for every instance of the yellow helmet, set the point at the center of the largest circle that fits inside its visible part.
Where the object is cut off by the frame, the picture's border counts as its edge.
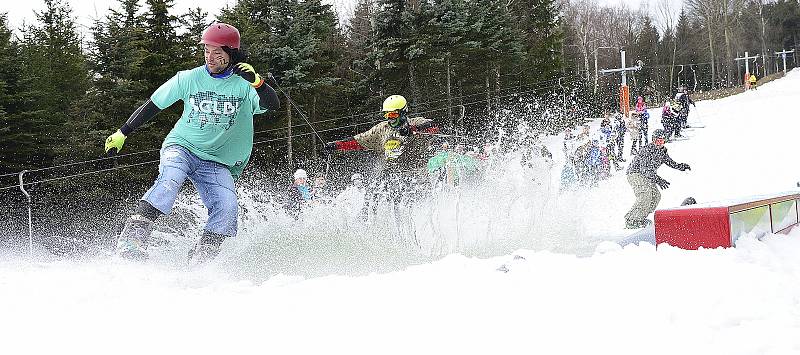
(395, 103)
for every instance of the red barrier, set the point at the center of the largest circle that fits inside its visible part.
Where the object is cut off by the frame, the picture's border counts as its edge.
(719, 224)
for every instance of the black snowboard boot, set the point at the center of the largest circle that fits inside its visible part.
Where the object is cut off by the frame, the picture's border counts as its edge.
(132, 242)
(206, 249)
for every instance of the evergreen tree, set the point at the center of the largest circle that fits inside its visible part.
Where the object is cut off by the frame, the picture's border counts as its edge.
(361, 43)
(9, 76)
(393, 37)
(195, 22)
(683, 34)
(55, 78)
(539, 23)
(494, 45)
(300, 44)
(9, 106)
(120, 81)
(646, 49)
(164, 54)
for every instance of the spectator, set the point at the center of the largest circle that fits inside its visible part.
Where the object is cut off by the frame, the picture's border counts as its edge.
(299, 194)
(641, 108)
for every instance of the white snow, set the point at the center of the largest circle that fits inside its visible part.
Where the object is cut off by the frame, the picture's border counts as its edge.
(571, 294)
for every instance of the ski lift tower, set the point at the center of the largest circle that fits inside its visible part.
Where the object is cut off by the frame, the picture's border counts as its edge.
(783, 54)
(624, 92)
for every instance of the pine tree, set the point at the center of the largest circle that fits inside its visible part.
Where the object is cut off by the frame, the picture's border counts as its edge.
(9, 101)
(55, 78)
(120, 81)
(195, 22)
(394, 34)
(361, 43)
(164, 55)
(539, 23)
(646, 46)
(300, 44)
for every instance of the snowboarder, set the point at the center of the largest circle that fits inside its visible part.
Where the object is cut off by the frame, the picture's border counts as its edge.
(683, 101)
(397, 140)
(641, 108)
(634, 127)
(608, 143)
(210, 144)
(668, 120)
(645, 182)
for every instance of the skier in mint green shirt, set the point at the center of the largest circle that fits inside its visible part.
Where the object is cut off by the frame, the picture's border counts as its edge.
(210, 144)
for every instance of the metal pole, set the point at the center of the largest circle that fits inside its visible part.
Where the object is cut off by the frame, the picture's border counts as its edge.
(624, 77)
(595, 71)
(747, 64)
(784, 63)
(563, 94)
(30, 215)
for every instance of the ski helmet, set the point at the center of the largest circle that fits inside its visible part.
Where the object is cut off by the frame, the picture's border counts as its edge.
(395, 103)
(395, 108)
(659, 133)
(300, 174)
(222, 35)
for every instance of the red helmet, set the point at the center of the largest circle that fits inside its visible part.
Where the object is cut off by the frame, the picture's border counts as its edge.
(222, 35)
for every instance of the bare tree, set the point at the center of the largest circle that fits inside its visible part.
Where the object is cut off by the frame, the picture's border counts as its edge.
(582, 15)
(707, 11)
(667, 19)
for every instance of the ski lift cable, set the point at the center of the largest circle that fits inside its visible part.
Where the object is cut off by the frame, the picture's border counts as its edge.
(259, 142)
(90, 161)
(420, 112)
(379, 120)
(255, 143)
(79, 174)
(418, 104)
(296, 107)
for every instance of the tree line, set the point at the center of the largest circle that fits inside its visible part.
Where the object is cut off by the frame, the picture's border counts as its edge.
(63, 91)
(693, 45)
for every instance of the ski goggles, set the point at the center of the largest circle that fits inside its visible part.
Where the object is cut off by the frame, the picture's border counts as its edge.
(392, 115)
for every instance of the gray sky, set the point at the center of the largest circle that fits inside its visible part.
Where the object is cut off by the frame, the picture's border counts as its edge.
(87, 10)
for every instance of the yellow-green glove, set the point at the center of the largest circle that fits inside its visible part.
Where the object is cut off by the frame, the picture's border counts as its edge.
(115, 140)
(247, 72)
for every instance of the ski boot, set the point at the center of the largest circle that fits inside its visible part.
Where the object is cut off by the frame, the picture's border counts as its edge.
(132, 242)
(206, 249)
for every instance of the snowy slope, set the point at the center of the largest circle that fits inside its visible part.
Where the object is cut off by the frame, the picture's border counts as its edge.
(561, 299)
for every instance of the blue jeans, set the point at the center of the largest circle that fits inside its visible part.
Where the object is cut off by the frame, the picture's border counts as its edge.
(212, 180)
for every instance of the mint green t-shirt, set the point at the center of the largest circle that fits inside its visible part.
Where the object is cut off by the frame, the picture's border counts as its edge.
(217, 119)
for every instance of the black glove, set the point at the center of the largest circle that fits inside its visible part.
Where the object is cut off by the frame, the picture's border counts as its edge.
(684, 167)
(404, 130)
(662, 184)
(330, 147)
(247, 72)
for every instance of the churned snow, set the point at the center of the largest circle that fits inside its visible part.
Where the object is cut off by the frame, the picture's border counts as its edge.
(571, 294)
